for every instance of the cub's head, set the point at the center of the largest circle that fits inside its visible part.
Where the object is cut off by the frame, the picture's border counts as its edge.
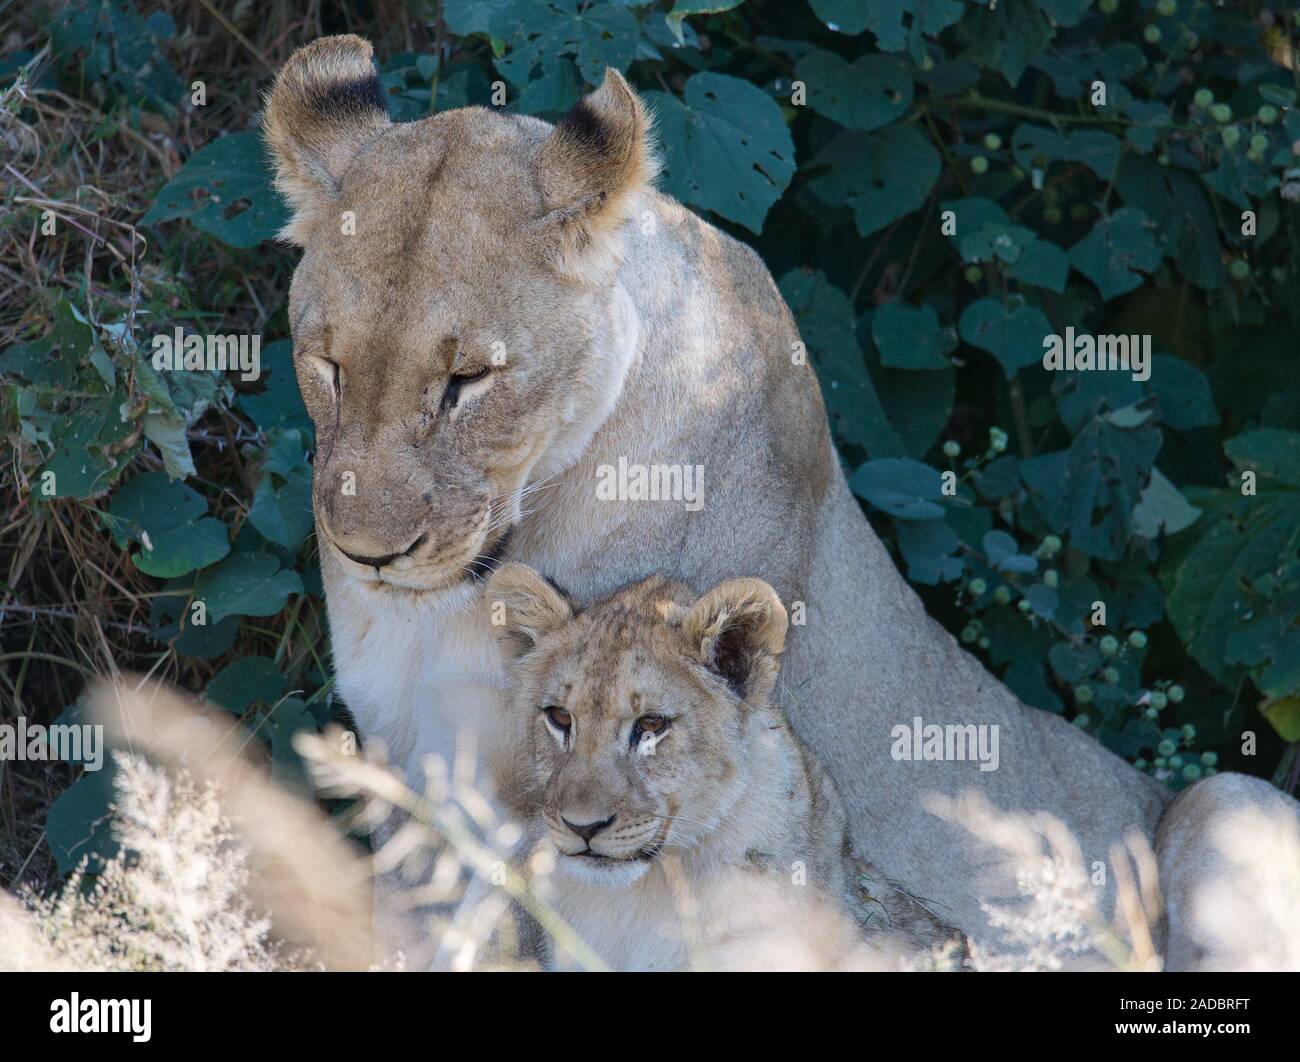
(456, 322)
(640, 709)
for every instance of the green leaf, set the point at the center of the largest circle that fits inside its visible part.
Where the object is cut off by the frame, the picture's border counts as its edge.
(1042, 265)
(282, 509)
(1015, 338)
(1270, 452)
(910, 338)
(1003, 554)
(79, 824)
(1183, 393)
(1034, 146)
(239, 684)
(596, 34)
(853, 16)
(866, 94)
(930, 549)
(225, 189)
(246, 583)
(901, 487)
(1114, 252)
(170, 522)
(464, 17)
(880, 176)
(280, 404)
(682, 9)
(726, 147)
(1162, 507)
(1284, 714)
(1073, 663)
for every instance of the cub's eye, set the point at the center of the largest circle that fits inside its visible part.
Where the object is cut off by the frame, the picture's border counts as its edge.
(648, 724)
(451, 396)
(560, 719)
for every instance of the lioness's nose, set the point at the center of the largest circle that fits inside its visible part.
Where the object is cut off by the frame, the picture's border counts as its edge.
(379, 562)
(587, 830)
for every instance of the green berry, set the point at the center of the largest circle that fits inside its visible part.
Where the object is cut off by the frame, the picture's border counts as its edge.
(1230, 135)
(1109, 645)
(1191, 772)
(974, 274)
(1209, 759)
(1023, 605)
(1110, 675)
(1203, 97)
(997, 439)
(992, 141)
(1051, 578)
(1239, 269)
(1221, 113)
(1017, 173)
(1158, 701)
(927, 62)
(1163, 159)
(1166, 7)
(1152, 35)
(984, 643)
(1107, 7)
(979, 164)
(1166, 748)
(1081, 720)
(1267, 114)
(1160, 761)
(1051, 545)
(1083, 693)
(1079, 212)
(1002, 595)
(1137, 640)
(1176, 694)
(1175, 762)
(951, 448)
(1189, 731)
(1149, 713)
(977, 587)
(1140, 764)
(969, 634)
(1259, 143)
(1052, 215)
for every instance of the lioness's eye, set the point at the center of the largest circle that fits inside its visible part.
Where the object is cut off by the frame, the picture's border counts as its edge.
(451, 396)
(560, 719)
(330, 372)
(648, 724)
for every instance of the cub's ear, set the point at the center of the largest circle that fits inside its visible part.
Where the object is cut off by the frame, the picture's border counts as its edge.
(325, 104)
(599, 156)
(523, 607)
(738, 629)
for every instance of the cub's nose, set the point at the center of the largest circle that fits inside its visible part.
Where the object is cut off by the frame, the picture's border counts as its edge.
(587, 830)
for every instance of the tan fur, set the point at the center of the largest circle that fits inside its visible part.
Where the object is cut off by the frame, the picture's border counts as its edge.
(725, 788)
(629, 328)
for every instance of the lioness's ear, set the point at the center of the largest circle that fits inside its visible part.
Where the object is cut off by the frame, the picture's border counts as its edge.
(325, 104)
(590, 167)
(522, 607)
(738, 629)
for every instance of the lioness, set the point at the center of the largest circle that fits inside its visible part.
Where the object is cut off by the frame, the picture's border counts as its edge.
(490, 314)
(665, 776)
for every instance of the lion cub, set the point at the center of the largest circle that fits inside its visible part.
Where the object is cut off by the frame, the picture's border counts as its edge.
(686, 816)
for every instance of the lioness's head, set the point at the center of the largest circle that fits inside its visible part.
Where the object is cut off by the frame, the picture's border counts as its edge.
(640, 709)
(455, 307)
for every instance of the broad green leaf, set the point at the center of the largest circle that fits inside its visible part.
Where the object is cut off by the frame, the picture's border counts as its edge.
(596, 34)
(880, 176)
(1183, 393)
(1269, 452)
(1035, 146)
(930, 549)
(249, 679)
(280, 405)
(1003, 554)
(1112, 255)
(853, 16)
(1014, 337)
(1284, 714)
(865, 94)
(282, 508)
(79, 824)
(683, 9)
(726, 147)
(464, 17)
(1042, 265)
(225, 189)
(901, 487)
(910, 338)
(170, 522)
(246, 584)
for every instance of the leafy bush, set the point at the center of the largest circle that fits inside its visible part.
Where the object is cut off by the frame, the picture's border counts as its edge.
(938, 186)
